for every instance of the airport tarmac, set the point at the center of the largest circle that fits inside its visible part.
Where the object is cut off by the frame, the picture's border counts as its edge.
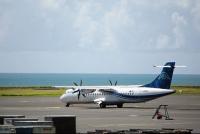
(184, 109)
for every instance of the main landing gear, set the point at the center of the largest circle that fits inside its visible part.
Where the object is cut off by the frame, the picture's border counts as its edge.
(104, 105)
(120, 105)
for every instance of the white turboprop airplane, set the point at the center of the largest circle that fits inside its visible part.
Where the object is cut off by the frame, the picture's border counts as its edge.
(118, 95)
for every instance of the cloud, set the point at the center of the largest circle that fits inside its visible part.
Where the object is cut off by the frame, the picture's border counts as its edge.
(98, 26)
(179, 23)
(3, 27)
(163, 42)
(5, 19)
(195, 11)
(51, 4)
(112, 32)
(87, 27)
(116, 22)
(123, 25)
(183, 3)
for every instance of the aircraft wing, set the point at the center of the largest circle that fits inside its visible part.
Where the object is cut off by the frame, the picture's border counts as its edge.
(81, 87)
(67, 87)
(109, 90)
(86, 91)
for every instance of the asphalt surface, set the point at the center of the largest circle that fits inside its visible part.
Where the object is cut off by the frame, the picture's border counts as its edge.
(184, 109)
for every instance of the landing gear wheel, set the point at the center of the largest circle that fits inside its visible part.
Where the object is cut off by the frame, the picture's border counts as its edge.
(102, 105)
(67, 105)
(119, 105)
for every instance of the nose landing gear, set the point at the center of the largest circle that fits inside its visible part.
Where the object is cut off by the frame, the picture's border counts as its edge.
(67, 104)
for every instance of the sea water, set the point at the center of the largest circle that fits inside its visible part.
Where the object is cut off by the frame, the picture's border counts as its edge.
(28, 79)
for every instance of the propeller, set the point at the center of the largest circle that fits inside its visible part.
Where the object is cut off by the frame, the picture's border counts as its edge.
(79, 90)
(81, 82)
(116, 83)
(75, 83)
(112, 83)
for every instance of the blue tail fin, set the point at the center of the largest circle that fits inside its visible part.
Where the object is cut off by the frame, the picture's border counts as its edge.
(164, 79)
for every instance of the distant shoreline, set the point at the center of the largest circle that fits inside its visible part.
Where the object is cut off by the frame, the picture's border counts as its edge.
(51, 91)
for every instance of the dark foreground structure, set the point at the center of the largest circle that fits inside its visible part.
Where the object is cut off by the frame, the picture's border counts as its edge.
(52, 124)
(143, 131)
(65, 124)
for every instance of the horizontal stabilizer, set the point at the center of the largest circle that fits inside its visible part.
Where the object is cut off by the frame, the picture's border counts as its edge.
(170, 66)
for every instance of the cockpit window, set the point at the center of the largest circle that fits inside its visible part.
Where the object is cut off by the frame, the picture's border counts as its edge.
(69, 91)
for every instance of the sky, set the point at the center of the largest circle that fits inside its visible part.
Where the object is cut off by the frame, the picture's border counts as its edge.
(99, 36)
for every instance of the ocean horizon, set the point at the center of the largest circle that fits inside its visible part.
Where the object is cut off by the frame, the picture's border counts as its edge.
(59, 79)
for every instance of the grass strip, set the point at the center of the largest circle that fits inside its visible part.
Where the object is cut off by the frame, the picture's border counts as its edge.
(193, 90)
(51, 91)
(30, 91)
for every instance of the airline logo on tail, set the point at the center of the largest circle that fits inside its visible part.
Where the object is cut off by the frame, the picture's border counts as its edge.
(164, 76)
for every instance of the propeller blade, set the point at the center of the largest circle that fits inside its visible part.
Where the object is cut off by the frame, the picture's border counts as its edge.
(81, 83)
(110, 82)
(79, 95)
(116, 83)
(83, 95)
(75, 91)
(75, 83)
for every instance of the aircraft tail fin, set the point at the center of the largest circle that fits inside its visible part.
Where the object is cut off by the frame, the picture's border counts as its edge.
(163, 80)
